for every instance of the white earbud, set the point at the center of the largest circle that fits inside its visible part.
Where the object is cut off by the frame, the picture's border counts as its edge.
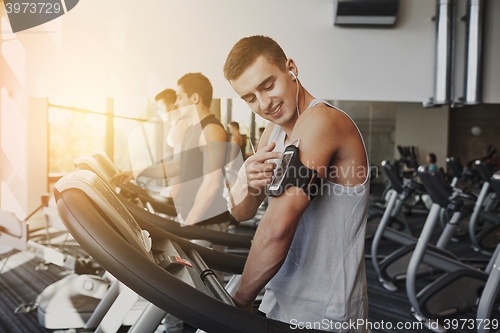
(297, 95)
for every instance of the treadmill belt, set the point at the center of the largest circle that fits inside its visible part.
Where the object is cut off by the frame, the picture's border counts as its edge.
(21, 283)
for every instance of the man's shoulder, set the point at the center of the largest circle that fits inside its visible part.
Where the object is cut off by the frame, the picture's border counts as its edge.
(214, 132)
(324, 120)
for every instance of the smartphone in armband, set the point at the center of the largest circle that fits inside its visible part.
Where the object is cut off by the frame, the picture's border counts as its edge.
(291, 172)
(279, 173)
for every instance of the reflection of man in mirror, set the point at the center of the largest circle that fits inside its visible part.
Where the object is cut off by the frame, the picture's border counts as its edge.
(238, 147)
(164, 105)
(203, 155)
(174, 127)
(198, 194)
(177, 125)
(165, 101)
(195, 170)
(237, 138)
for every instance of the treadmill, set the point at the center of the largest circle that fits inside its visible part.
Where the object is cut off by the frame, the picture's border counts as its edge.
(71, 303)
(170, 272)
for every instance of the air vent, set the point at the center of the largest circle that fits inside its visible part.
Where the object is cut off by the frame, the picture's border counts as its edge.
(366, 12)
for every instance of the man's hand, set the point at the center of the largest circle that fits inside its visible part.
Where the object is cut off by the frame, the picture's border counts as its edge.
(242, 304)
(249, 190)
(256, 171)
(122, 177)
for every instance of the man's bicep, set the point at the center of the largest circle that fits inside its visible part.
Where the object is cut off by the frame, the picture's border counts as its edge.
(287, 209)
(316, 145)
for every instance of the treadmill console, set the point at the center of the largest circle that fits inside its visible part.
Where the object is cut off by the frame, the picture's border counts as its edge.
(106, 200)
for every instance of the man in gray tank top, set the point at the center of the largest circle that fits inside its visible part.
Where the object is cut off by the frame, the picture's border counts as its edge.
(309, 255)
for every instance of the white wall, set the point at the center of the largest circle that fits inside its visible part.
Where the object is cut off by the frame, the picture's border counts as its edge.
(136, 48)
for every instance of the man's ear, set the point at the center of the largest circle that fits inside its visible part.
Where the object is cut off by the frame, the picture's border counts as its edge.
(291, 66)
(195, 98)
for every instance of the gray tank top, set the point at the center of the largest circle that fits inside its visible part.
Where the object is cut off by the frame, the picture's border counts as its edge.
(323, 278)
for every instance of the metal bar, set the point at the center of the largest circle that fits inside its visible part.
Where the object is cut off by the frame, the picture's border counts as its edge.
(94, 112)
(490, 293)
(104, 305)
(473, 88)
(448, 231)
(229, 116)
(399, 237)
(444, 50)
(418, 254)
(444, 264)
(380, 230)
(475, 213)
(110, 136)
(398, 208)
(494, 257)
(252, 130)
(48, 146)
(210, 280)
(149, 320)
(117, 312)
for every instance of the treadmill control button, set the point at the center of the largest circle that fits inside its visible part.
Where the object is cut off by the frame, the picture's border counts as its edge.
(183, 261)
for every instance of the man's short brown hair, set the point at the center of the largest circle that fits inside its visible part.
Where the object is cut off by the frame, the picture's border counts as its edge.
(247, 49)
(168, 96)
(235, 125)
(197, 83)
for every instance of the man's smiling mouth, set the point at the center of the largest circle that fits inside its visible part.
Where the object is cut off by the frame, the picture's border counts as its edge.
(276, 110)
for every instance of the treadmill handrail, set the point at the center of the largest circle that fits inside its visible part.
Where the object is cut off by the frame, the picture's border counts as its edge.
(216, 237)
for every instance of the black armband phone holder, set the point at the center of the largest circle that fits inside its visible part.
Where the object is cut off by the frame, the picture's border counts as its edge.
(291, 172)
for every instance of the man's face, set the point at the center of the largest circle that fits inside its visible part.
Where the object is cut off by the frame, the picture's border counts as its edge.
(161, 107)
(171, 107)
(182, 98)
(268, 91)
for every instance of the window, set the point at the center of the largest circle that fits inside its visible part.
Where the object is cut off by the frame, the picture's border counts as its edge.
(80, 125)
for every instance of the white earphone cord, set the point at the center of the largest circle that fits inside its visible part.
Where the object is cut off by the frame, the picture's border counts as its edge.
(297, 96)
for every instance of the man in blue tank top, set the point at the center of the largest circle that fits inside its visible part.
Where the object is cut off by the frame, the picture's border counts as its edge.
(309, 255)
